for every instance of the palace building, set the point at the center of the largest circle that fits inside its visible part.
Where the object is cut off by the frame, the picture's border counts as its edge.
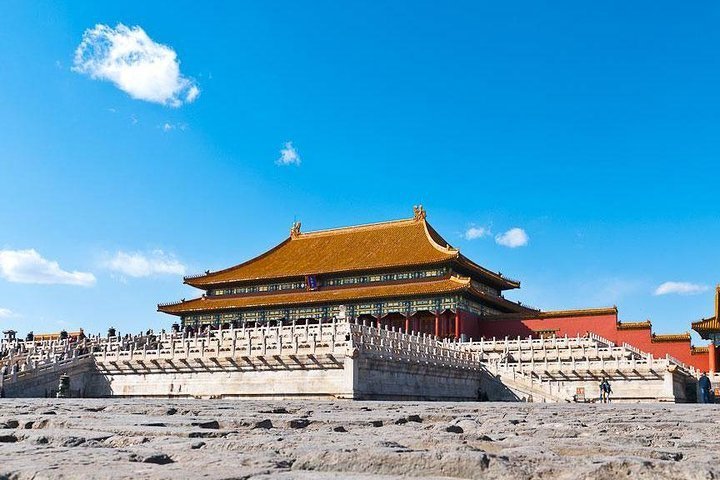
(400, 274)
(404, 275)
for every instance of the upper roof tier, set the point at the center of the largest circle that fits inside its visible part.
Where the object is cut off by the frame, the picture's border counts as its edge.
(379, 246)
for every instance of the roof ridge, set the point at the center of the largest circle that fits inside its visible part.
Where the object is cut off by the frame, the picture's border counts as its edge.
(362, 226)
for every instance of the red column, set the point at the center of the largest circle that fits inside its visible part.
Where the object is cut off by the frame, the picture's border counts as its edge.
(712, 362)
(437, 324)
(457, 323)
(407, 324)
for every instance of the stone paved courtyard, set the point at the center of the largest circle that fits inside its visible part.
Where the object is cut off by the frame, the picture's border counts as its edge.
(139, 438)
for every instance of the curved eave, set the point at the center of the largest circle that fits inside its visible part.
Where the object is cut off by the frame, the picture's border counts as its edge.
(706, 325)
(492, 277)
(422, 288)
(502, 303)
(301, 276)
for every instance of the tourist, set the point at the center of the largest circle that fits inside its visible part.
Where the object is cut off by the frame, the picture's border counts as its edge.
(705, 385)
(605, 391)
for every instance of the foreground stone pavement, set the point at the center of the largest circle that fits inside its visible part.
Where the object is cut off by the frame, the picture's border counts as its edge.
(242, 439)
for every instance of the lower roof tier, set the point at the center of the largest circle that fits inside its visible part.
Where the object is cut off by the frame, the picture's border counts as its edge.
(339, 295)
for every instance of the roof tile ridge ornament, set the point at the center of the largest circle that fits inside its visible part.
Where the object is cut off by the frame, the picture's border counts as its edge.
(295, 230)
(419, 213)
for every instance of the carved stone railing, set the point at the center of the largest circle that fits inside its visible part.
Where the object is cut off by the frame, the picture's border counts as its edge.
(418, 348)
(648, 365)
(600, 339)
(547, 390)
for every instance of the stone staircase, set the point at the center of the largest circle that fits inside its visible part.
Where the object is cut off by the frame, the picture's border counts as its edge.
(570, 368)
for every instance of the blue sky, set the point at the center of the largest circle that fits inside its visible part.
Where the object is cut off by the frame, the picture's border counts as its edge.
(590, 127)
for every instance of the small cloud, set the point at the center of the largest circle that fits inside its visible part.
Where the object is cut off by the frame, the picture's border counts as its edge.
(6, 313)
(137, 65)
(133, 119)
(28, 266)
(680, 288)
(166, 127)
(515, 237)
(138, 264)
(288, 155)
(474, 233)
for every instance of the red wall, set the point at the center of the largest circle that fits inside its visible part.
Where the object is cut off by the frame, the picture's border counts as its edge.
(603, 324)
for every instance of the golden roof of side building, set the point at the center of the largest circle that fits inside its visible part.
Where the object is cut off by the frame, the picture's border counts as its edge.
(342, 294)
(395, 244)
(710, 324)
(699, 350)
(670, 337)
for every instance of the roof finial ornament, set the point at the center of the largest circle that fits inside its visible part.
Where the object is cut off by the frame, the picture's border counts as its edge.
(295, 230)
(419, 212)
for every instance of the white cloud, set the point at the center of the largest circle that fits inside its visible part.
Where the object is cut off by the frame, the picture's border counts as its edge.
(5, 313)
(27, 266)
(515, 237)
(473, 233)
(288, 155)
(680, 288)
(140, 67)
(167, 127)
(138, 264)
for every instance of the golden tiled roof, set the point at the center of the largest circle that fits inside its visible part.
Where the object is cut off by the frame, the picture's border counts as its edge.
(671, 337)
(534, 314)
(634, 325)
(401, 243)
(699, 350)
(325, 295)
(706, 325)
(710, 324)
